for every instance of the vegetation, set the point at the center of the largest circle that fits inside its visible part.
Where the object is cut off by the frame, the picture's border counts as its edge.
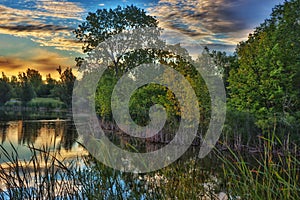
(266, 81)
(4, 90)
(44, 176)
(266, 175)
(96, 29)
(49, 103)
(33, 91)
(262, 80)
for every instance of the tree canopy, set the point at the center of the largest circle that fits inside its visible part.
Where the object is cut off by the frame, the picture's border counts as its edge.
(266, 82)
(104, 23)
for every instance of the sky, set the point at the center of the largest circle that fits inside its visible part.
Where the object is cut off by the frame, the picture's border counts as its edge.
(38, 34)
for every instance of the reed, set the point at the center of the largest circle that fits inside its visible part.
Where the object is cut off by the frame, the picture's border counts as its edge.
(45, 176)
(272, 174)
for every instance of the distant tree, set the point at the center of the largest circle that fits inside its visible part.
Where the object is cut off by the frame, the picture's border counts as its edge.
(5, 89)
(27, 91)
(50, 83)
(15, 87)
(223, 63)
(36, 81)
(64, 88)
(47, 86)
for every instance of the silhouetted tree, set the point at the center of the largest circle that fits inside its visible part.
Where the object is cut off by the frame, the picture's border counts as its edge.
(35, 79)
(27, 91)
(5, 90)
(103, 24)
(64, 88)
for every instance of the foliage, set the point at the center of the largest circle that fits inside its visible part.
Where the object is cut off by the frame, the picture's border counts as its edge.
(29, 85)
(48, 103)
(265, 83)
(104, 23)
(64, 88)
(27, 90)
(101, 26)
(224, 63)
(47, 87)
(5, 93)
(46, 176)
(35, 79)
(15, 87)
(103, 95)
(42, 177)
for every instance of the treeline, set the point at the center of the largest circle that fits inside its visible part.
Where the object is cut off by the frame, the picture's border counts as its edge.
(30, 84)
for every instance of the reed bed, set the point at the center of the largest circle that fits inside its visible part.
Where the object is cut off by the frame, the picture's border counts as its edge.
(45, 176)
(271, 174)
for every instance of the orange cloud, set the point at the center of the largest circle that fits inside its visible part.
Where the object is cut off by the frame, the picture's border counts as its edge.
(44, 61)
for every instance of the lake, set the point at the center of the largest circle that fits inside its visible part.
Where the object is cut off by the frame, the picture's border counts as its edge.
(59, 136)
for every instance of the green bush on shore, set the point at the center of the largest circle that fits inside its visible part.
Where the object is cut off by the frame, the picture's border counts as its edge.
(46, 103)
(49, 103)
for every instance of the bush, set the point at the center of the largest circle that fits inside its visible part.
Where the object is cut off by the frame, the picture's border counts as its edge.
(49, 103)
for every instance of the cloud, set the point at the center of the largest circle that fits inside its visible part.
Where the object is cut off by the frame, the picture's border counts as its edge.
(45, 61)
(7, 64)
(62, 44)
(206, 21)
(46, 22)
(60, 9)
(36, 28)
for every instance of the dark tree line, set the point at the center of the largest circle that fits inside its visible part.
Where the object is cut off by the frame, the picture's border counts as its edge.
(30, 84)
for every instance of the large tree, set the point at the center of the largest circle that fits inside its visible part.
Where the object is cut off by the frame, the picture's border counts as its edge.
(105, 24)
(121, 39)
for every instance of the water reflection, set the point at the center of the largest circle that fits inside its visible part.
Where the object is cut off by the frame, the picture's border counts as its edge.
(187, 178)
(57, 135)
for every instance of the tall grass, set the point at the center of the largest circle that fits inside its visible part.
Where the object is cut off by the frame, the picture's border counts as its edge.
(271, 174)
(44, 176)
(41, 177)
